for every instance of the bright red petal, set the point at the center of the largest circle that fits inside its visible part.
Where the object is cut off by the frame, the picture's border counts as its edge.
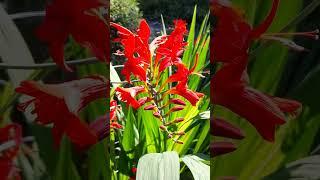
(79, 133)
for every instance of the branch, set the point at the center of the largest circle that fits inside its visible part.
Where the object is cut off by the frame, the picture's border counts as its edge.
(27, 15)
(91, 60)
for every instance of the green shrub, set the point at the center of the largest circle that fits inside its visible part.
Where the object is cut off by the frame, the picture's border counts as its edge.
(173, 9)
(125, 12)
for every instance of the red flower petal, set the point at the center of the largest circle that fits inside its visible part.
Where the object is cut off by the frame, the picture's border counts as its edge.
(65, 101)
(263, 27)
(233, 35)
(190, 95)
(70, 17)
(128, 95)
(169, 52)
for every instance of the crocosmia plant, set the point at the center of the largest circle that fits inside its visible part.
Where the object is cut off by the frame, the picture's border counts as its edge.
(156, 108)
(147, 62)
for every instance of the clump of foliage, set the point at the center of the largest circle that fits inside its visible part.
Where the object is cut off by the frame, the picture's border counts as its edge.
(126, 12)
(173, 9)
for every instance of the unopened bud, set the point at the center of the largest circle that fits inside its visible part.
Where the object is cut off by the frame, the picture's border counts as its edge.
(168, 123)
(180, 133)
(178, 141)
(142, 101)
(178, 120)
(162, 127)
(149, 107)
(156, 114)
(176, 108)
(177, 101)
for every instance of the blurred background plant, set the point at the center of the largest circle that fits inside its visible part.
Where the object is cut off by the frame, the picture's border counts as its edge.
(21, 50)
(275, 69)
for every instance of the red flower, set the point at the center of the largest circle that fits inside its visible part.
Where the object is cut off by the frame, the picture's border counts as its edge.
(233, 35)
(9, 133)
(230, 89)
(136, 50)
(128, 95)
(169, 51)
(191, 96)
(75, 18)
(113, 110)
(139, 52)
(182, 76)
(113, 115)
(60, 104)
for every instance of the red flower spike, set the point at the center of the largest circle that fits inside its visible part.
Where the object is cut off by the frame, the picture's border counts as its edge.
(128, 95)
(113, 110)
(75, 18)
(136, 50)
(220, 148)
(233, 35)
(10, 132)
(65, 100)
(169, 52)
(222, 128)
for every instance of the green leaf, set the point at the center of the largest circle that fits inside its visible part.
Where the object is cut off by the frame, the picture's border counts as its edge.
(199, 170)
(65, 168)
(128, 140)
(159, 166)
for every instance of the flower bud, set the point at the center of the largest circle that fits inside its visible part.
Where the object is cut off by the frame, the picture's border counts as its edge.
(219, 148)
(149, 107)
(142, 101)
(162, 127)
(177, 101)
(181, 133)
(178, 120)
(178, 141)
(156, 114)
(222, 128)
(168, 124)
(176, 108)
